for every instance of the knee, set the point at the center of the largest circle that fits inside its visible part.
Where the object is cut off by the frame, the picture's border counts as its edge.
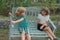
(28, 36)
(47, 28)
(23, 33)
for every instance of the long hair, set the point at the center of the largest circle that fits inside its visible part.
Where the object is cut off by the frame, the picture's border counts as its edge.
(19, 11)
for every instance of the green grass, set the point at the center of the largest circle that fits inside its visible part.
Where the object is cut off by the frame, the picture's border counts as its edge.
(4, 34)
(58, 33)
(4, 30)
(55, 17)
(3, 17)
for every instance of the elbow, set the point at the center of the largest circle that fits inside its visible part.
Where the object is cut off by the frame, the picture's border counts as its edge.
(38, 22)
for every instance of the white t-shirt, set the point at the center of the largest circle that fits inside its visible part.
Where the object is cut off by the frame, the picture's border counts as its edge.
(43, 18)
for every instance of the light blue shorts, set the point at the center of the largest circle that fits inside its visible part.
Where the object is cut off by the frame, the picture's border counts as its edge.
(22, 29)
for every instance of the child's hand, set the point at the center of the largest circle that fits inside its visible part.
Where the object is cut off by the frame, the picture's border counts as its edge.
(45, 24)
(13, 22)
(41, 27)
(10, 13)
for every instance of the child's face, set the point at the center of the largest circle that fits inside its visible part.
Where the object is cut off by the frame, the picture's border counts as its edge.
(17, 11)
(20, 13)
(43, 12)
(23, 14)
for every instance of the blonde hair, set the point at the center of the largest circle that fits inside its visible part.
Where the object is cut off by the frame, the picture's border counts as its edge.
(19, 11)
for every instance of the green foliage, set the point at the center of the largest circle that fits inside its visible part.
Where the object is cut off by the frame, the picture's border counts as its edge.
(6, 5)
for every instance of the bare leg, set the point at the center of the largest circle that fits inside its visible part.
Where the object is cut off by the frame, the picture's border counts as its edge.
(49, 34)
(50, 31)
(28, 37)
(23, 36)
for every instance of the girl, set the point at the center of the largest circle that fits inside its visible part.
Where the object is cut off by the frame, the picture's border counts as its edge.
(21, 22)
(42, 21)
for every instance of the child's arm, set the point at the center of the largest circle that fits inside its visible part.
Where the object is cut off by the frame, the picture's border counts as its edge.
(47, 19)
(17, 21)
(38, 20)
(43, 24)
(46, 23)
(11, 14)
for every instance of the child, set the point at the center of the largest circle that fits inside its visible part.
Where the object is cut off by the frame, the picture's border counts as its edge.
(21, 22)
(42, 21)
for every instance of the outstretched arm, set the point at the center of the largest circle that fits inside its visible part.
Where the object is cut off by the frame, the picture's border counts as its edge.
(17, 21)
(11, 14)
